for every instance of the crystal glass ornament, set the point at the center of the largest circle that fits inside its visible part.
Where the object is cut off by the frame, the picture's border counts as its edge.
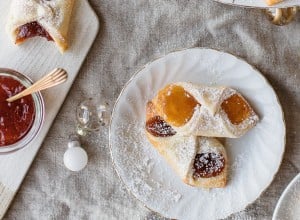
(75, 158)
(91, 115)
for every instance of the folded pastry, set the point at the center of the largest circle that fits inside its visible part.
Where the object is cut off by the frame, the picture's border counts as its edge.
(198, 161)
(45, 18)
(204, 111)
(272, 2)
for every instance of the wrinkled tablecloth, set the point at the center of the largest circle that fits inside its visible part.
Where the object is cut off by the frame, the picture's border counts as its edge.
(133, 33)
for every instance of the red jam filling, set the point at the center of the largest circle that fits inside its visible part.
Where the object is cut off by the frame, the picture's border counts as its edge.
(31, 29)
(208, 165)
(16, 118)
(159, 128)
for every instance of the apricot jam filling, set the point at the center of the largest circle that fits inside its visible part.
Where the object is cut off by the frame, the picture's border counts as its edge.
(236, 109)
(31, 29)
(208, 165)
(159, 128)
(178, 106)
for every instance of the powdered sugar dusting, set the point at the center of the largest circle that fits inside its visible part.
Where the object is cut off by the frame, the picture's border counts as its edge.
(210, 119)
(208, 146)
(159, 128)
(49, 11)
(208, 164)
(50, 14)
(243, 154)
(146, 171)
(141, 165)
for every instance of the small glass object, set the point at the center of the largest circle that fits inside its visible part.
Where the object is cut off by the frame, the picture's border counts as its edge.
(91, 115)
(75, 158)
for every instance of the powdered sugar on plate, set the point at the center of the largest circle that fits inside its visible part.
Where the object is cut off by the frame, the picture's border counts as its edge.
(253, 159)
(141, 164)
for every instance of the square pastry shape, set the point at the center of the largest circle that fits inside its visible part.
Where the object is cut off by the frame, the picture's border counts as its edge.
(46, 18)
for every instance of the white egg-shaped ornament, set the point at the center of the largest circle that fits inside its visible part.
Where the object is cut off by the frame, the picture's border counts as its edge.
(75, 158)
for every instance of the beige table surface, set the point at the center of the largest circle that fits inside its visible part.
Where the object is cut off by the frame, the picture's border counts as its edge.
(131, 34)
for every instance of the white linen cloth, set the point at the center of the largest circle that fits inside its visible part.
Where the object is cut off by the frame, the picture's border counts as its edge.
(133, 33)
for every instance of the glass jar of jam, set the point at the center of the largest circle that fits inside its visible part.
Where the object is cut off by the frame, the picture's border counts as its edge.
(21, 120)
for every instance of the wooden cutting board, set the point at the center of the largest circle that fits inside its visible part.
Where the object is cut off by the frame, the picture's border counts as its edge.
(35, 58)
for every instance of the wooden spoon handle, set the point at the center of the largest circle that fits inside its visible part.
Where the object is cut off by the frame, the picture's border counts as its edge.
(55, 77)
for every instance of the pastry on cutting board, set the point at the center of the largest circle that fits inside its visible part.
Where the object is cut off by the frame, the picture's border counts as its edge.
(46, 18)
(198, 161)
(199, 110)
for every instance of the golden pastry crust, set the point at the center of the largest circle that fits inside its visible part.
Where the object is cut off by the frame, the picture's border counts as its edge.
(54, 16)
(178, 118)
(210, 116)
(218, 181)
(180, 152)
(165, 145)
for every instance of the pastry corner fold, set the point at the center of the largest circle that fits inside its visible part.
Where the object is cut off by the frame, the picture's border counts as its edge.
(50, 19)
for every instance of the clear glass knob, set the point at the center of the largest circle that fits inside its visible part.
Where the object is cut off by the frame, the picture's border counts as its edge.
(91, 116)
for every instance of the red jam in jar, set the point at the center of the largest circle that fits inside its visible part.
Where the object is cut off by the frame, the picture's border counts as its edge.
(16, 118)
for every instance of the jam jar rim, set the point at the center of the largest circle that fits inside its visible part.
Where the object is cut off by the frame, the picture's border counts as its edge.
(39, 106)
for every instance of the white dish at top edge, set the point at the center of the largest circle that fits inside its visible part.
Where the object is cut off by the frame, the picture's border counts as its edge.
(261, 3)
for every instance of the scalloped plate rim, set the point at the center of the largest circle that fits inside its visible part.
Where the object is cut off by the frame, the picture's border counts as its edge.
(262, 77)
(283, 198)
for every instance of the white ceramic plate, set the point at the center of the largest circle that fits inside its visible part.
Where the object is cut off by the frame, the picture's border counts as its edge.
(288, 206)
(261, 3)
(254, 158)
